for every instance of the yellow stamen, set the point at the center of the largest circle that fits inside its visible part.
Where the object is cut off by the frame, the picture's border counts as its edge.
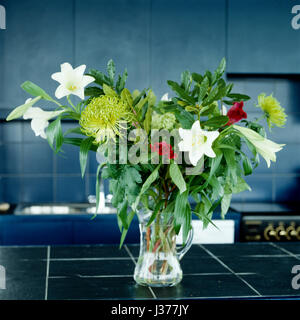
(72, 87)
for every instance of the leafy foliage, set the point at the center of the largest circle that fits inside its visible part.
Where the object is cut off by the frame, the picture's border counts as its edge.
(164, 189)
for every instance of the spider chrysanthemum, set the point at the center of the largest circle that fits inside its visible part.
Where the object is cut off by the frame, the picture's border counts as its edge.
(274, 112)
(104, 117)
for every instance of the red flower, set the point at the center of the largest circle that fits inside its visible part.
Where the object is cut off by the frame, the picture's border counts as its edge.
(236, 113)
(163, 148)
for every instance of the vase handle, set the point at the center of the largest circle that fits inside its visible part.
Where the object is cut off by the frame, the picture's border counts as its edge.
(182, 250)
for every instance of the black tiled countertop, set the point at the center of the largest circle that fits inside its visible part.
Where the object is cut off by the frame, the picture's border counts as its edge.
(241, 270)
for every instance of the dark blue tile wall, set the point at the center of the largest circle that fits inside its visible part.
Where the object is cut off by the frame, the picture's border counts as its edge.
(261, 38)
(155, 40)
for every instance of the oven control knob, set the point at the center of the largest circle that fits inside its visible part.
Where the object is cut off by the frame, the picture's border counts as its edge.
(269, 232)
(291, 232)
(280, 232)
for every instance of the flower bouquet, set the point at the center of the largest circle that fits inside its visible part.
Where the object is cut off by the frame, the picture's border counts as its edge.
(166, 160)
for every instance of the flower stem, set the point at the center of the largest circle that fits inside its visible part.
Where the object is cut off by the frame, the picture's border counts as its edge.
(72, 105)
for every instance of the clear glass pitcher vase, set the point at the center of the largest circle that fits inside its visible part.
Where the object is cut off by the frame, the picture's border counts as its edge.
(159, 258)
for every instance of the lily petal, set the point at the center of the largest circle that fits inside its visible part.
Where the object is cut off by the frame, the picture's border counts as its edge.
(61, 92)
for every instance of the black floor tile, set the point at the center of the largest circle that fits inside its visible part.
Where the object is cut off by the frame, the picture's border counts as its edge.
(19, 269)
(91, 267)
(277, 267)
(24, 278)
(134, 250)
(272, 284)
(24, 289)
(95, 251)
(206, 287)
(243, 249)
(18, 253)
(96, 288)
(194, 264)
(293, 247)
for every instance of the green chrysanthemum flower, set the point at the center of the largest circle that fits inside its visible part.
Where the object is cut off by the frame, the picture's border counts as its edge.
(274, 112)
(163, 121)
(104, 117)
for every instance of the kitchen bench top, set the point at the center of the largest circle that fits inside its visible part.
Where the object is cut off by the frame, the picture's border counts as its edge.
(240, 270)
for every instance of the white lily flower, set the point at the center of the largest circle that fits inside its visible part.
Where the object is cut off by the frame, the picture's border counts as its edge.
(40, 119)
(165, 97)
(72, 81)
(265, 147)
(197, 142)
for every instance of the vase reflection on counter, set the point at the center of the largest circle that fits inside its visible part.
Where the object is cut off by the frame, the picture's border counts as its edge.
(159, 258)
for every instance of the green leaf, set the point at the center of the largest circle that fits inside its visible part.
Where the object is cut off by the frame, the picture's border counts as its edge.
(83, 153)
(76, 130)
(197, 77)
(55, 135)
(208, 110)
(122, 213)
(208, 210)
(151, 99)
(203, 89)
(100, 78)
(155, 212)
(180, 210)
(181, 92)
(131, 177)
(211, 97)
(20, 111)
(216, 161)
(139, 106)
(218, 190)
(77, 142)
(186, 80)
(111, 70)
(120, 85)
(238, 97)
(247, 166)
(240, 185)
(93, 91)
(225, 204)
(221, 68)
(126, 97)
(216, 122)
(185, 118)
(130, 217)
(109, 91)
(148, 120)
(229, 88)
(177, 177)
(209, 76)
(229, 156)
(186, 227)
(153, 176)
(35, 90)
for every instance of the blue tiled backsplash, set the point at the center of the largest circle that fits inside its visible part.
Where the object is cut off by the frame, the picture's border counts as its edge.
(155, 40)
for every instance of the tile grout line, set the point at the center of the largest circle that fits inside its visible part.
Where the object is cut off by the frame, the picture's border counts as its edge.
(90, 259)
(132, 258)
(130, 275)
(130, 254)
(47, 272)
(228, 268)
(285, 250)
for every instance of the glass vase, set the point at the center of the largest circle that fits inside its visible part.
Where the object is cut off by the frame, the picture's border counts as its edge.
(159, 258)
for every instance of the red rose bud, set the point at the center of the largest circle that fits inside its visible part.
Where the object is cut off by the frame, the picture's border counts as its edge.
(236, 113)
(163, 148)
